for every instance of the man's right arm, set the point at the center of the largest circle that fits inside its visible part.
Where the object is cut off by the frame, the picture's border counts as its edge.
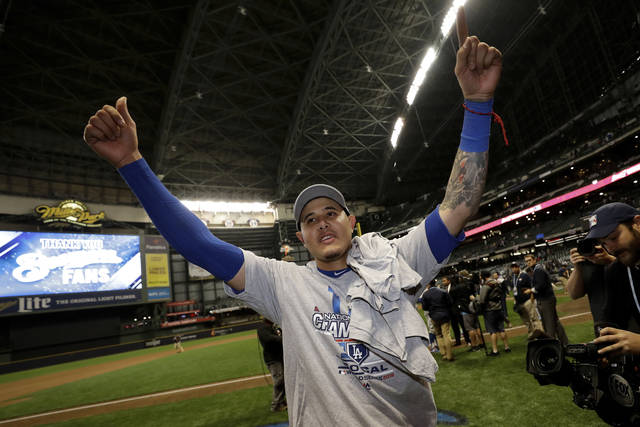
(575, 284)
(112, 134)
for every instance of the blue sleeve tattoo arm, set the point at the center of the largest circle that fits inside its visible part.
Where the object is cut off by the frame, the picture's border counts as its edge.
(182, 229)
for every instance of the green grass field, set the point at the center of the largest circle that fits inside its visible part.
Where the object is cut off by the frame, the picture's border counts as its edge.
(487, 391)
(113, 357)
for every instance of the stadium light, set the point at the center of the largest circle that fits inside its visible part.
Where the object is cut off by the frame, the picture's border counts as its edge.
(421, 74)
(220, 206)
(397, 128)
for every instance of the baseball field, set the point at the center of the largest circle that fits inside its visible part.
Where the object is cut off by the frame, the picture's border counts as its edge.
(221, 381)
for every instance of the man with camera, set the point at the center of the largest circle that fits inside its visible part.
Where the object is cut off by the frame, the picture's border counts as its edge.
(616, 227)
(601, 374)
(587, 278)
(546, 300)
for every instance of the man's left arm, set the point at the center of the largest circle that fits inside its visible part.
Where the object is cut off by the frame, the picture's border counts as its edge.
(478, 68)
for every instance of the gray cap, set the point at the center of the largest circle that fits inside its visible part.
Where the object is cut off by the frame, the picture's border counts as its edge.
(313, 192)
(606, 218)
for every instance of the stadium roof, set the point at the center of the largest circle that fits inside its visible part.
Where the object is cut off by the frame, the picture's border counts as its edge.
(254, 100)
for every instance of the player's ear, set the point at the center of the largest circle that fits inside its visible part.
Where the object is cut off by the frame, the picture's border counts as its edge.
(636, 222)
(352, 221)
(299, 236)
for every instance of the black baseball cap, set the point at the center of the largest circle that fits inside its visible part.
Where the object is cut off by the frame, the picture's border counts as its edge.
(313, 192)
(606, 218)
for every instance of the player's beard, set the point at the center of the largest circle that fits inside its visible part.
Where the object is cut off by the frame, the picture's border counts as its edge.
(630, 256)
(334, 254)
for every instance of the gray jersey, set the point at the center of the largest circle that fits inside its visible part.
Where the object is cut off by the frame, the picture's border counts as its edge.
(330, 378)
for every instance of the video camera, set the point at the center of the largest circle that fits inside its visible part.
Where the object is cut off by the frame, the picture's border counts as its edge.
(610, 387)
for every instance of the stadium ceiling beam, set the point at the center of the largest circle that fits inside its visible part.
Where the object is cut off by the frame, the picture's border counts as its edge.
(342, 128)
(317, 67)
(596, 26)
(212, 161)
(391, 33)
(197, 16)
(351, 96)
(237, 108)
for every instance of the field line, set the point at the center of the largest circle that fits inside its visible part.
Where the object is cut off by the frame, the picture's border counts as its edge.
(131, 399)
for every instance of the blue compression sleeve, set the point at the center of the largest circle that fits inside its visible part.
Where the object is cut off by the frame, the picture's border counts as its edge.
(476, 127)
(182, 229)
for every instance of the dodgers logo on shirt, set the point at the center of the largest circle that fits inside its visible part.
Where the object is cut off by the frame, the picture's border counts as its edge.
(358, 352)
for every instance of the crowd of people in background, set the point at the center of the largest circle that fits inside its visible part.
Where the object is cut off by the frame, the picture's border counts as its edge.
(453, 303)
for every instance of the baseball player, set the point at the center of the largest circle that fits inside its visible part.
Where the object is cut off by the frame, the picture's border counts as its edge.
(177, 344)
(355, 348)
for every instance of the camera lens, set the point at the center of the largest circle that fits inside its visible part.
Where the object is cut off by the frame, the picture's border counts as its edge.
(546, 359)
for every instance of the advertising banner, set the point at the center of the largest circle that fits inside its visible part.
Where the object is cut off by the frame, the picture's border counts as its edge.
(156, 259)
(36, 269)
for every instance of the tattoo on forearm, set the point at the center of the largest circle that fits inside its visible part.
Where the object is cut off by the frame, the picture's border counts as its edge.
(466, 182)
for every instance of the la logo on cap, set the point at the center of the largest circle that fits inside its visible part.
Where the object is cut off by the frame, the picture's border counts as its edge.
(593, 220)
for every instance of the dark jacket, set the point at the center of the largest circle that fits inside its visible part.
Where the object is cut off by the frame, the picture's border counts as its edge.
(271, 343)
(523, 282)
(491, 296)
(621, 310)
(542, 283)
(460, 296)
(594, 286)
(438, 303)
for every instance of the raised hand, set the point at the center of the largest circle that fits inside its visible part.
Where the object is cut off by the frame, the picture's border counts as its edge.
(111, 133)
(478, 65)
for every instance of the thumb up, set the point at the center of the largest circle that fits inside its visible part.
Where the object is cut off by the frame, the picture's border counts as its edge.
(111, 133)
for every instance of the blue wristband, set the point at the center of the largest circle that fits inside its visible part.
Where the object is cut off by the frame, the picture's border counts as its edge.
(476, 128)
(440, 241)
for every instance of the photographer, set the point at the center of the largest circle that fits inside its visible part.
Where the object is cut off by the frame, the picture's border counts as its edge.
(616, 226)
(587, 278)
(602, 374)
